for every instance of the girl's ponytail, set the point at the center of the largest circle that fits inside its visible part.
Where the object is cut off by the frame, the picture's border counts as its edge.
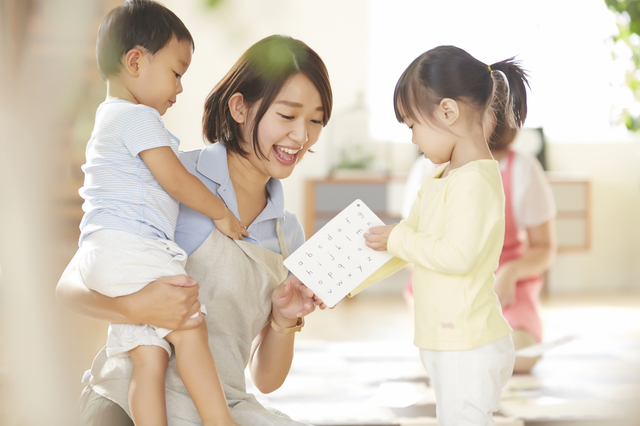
(509, 98)
(450, 72)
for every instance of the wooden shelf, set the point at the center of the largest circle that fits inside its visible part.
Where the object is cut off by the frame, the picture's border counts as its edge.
(327, 197)
(572, 194)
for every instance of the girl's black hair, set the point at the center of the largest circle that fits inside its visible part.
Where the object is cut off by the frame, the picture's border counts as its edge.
(259, 75)
(143, 23)
(450, 72)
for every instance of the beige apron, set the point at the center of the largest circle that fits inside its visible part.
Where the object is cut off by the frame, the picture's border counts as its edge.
(236, 282)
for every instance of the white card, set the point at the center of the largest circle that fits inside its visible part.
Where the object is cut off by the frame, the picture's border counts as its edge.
(335, 260)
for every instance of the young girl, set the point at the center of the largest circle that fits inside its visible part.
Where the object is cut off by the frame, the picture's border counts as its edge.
(455, 230)
(529, 239)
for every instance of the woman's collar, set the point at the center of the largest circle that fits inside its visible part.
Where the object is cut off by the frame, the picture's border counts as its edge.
(212, 163)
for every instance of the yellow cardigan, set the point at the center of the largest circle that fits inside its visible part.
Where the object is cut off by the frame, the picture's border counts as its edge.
(453, 236)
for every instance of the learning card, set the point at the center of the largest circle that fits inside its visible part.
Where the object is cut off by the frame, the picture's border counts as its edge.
(335, 260)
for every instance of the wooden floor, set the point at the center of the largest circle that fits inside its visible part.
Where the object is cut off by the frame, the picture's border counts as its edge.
(356, 365)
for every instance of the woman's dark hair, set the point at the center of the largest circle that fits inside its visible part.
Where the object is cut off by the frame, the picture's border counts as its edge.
(450, 72)
(143, 23)
(502, 135)
(259, 75)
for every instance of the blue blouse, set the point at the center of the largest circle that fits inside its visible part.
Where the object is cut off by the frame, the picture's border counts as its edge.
(210, 166)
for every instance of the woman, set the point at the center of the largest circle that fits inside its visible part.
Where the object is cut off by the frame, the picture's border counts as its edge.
(529, 243)
(261, 119)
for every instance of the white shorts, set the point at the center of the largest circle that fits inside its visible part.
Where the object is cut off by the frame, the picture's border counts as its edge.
(118, 263)
(468, 383)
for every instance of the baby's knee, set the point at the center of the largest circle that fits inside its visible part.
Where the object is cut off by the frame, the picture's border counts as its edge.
(198, 334)
(152, 359)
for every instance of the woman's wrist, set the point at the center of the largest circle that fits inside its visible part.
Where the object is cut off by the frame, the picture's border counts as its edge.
(131, 307)
(122, 307)
(510, 270)
(281, 320)
(286, 330)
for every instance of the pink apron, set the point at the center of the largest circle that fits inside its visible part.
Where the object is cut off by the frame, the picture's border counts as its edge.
(525, 312)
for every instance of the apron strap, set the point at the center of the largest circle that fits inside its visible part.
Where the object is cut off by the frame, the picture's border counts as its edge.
(283, 246)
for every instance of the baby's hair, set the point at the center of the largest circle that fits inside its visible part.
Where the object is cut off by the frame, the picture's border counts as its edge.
(259, 75)
(144, 23)
(450, 72)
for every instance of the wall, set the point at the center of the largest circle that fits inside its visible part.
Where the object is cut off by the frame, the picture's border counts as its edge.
(613, 262)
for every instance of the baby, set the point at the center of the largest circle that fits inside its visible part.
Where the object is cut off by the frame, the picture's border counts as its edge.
(133, 185)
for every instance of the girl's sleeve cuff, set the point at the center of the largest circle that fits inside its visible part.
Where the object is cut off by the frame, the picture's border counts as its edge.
(397, 236)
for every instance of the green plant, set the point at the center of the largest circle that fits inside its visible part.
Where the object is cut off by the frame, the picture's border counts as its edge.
(629, 33)
(355, 158)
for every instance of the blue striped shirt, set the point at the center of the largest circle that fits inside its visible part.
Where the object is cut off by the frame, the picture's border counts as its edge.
(119, 191)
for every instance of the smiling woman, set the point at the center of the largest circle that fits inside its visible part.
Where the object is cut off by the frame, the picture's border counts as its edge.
(260, 119)
(271, 93)
(296, 113)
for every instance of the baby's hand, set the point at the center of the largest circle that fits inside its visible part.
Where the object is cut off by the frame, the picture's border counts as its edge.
(378, 236)
(231, 226)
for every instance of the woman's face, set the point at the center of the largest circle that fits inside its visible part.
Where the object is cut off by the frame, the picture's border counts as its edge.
(291, 126)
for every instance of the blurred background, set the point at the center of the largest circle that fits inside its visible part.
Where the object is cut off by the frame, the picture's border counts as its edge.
(582, 57)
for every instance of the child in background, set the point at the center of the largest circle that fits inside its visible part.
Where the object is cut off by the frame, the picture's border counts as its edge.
(133, 185)
(455, 230)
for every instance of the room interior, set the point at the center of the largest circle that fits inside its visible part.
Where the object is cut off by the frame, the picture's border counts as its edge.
(355, 364)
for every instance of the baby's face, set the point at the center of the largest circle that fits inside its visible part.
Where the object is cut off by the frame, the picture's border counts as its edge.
(159, 81)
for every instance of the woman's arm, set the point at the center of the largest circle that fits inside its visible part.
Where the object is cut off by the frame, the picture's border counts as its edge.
(539, 256)
(167, 302)
(271, 351)
(272, 354)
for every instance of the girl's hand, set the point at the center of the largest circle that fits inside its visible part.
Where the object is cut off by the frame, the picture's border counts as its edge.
(505, 286)
(378, 236)
(292, 300)
(168, 302)
(231, 226)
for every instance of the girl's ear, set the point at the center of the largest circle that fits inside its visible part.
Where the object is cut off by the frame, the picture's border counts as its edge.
(448, 111)
(238, 108)
(133, 61)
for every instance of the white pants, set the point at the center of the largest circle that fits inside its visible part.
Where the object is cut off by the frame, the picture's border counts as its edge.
(468, 383)
(118, 263)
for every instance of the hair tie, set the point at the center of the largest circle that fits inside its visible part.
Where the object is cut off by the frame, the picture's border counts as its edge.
(489, 66)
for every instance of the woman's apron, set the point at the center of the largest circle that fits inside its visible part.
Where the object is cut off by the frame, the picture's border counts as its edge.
(525, 312)
(236, 282)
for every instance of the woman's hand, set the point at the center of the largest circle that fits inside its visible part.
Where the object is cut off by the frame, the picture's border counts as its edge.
(168, 302)
(505, 286)
(537, 259)
(292, 300)
(271, 351)
(378, 236)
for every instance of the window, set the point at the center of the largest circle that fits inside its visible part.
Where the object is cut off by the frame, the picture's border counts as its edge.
(576, 88)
